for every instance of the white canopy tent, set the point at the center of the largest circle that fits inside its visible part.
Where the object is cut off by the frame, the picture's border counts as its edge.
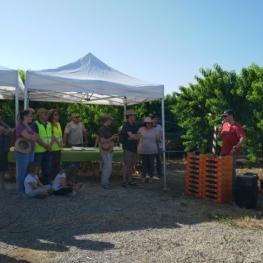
(90, 81)
(11, 86)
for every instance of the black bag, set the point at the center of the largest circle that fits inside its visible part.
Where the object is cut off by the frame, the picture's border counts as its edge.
(246, 193)
(4, 144)
(122, 137)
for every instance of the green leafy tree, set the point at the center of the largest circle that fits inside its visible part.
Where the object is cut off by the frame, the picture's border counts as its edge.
(215, 91)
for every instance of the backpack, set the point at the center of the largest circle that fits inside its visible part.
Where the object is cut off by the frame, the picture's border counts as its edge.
(122, 137)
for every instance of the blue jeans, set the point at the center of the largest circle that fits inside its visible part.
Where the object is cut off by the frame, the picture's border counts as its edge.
(23, 159)
(44, 160)
(107, 167)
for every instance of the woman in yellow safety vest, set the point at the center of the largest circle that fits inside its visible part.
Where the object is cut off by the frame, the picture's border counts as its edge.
(53, 117)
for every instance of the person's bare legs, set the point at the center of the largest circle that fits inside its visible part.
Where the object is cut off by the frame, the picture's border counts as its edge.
(124, 172)
(129, 173)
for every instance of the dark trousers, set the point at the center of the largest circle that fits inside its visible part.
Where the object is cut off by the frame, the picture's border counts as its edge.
(44, 160)
(56, 167)
(63, 191)
(148, 164)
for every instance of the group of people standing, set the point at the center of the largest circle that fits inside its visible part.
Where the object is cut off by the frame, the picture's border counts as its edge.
(38, 144)
(145, 141)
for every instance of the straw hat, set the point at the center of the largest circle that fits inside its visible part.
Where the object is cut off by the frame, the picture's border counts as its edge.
(40, 111)
(106, 116)
(106, 147)
(130, 112)
(22, 145)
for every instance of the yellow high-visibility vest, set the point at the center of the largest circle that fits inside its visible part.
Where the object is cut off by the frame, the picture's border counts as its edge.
(45, 134)
(57, 132)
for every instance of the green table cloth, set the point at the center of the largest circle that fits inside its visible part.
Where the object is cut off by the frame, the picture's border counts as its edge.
(82, 156)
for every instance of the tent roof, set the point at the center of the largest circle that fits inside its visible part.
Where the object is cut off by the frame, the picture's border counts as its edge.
(90, 81)
(9, 81)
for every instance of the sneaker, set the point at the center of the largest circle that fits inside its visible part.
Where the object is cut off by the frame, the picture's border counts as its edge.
(73, 193)
(150, 180)
(143, 180)
(125, 185)
(5, 188)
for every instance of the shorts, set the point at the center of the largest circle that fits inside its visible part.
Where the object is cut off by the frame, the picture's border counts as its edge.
(129, 158)
(3, 162)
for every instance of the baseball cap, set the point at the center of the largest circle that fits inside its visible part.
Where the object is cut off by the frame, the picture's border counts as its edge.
(227, 112)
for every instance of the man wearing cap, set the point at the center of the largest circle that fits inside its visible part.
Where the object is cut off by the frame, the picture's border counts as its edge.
(233, 137)
(43, 155)
(159, 128)
(5, 131)
(106, 138)
(130, 141)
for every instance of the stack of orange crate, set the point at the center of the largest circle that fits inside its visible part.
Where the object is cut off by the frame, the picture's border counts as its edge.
(217, 178)
(194, 178)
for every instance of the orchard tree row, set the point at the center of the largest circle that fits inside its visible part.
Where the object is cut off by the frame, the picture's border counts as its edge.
(214, 92)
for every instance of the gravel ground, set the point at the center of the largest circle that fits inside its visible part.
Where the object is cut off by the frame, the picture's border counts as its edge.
(142, 224)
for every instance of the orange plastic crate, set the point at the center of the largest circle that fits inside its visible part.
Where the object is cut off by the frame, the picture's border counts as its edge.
(194, 192)
(219, 200)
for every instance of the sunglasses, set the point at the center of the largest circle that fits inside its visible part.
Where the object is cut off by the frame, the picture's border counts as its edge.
(56, 114)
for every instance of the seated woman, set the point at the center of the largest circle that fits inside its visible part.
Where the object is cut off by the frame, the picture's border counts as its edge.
(65, 182)
(33, 187)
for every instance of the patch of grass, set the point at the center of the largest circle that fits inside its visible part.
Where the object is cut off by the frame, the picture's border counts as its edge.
(183, 201)
(222, 219)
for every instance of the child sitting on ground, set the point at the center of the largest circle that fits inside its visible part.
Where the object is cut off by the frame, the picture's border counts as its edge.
(33, 187)
(64, 183)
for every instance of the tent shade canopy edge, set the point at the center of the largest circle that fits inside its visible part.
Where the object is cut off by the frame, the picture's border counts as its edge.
(89, 81)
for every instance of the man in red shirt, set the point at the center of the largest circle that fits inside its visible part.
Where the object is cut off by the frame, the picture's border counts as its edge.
(233, 137)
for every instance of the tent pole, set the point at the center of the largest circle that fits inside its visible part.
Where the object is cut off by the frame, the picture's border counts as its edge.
(25, 98)
(16, 104)
(16, 123)
(164, 150)
(125, 107)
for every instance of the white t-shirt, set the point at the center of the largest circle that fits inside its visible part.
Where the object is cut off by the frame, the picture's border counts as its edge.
(57, 182)
(159, 128)
(30, 179)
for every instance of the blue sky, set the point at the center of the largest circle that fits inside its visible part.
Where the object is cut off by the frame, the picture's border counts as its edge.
(160, 41)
